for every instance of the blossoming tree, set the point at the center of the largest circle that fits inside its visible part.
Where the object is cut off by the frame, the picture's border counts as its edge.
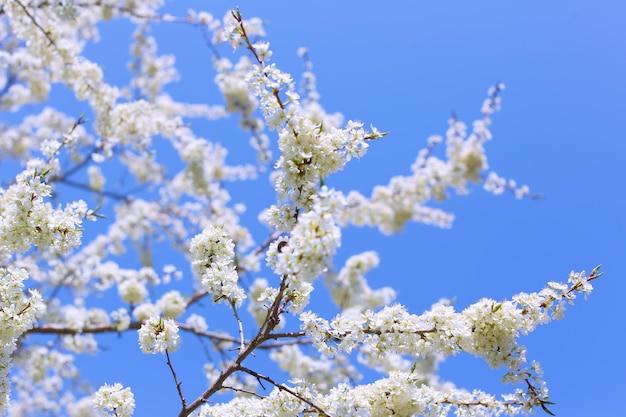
(51, 267)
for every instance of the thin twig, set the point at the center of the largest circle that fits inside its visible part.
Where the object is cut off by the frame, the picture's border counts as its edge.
(245, 391)
(286, 335)
(271, 321)
(77, 167)
(196, 296)
(286, 389)
(103, 193)
(176, 381)
(267, 242)
(210, 335)
(59, 329)
(239, 19)
(242, 342)
(32, 18)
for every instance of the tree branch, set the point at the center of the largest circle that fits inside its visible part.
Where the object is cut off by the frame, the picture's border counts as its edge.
(286, 389)
(32, 19)
(176, 381)
(271, 321)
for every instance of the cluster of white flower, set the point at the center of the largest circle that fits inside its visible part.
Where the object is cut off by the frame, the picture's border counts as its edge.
(350, 289)
(17, 314)
(114, 400)
(75, 319)
(213, 255)
(323, 373)
(235, 30)
(310, 247)
(158, 335)
(307, 252)
(121, 319)
(25, 219)
(405, 197)
(401, 393)
(24, 140)
(40, 380)
(152, 72)
(497, 185)
(231, 80)
(310, 150)
(172, 304)
(261, 296)
(197, 323)
(487, 329)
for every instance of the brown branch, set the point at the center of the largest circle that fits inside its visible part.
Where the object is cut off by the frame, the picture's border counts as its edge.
(245, 391)
(286, 389)
(276, 336)
(60, 329)
(104, 193)
(32, 18)
(195, 297)
(267, 242)
(378, 332)
(239, 19)
(271, 321)
(210, 335)
(176, 381)
(274, 345)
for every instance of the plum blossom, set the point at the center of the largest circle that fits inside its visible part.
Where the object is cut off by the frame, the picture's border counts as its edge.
(158, 335)
(114, 400)
(213, 254)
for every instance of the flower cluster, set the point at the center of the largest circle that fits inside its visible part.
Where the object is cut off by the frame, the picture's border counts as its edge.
(350, 289)
(486, 329)
(26, 219)
(114, 400)
(213, 255)
(18, 313)
(310, 150)
(158, 335)
(43, 374)
(405, 197)
(324, 373)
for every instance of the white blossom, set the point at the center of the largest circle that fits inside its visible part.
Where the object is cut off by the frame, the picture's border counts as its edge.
(197, 323)
(132, 290)
(18, 313)
(213, 254)
(121, 318)
(171, 304)
(145, 311)
(157, 335)
(114, 400)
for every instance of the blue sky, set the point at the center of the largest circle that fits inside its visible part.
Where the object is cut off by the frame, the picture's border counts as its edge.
(404, 67)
